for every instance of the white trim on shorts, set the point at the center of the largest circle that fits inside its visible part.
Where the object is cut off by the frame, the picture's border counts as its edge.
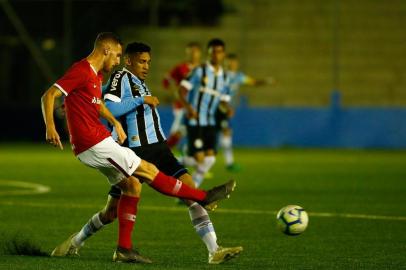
(111, 159)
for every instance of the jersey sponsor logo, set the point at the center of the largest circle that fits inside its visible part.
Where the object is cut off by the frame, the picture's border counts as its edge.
(114, 83)
(96, 100)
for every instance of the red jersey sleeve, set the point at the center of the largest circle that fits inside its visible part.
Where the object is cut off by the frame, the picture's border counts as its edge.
(74, 78)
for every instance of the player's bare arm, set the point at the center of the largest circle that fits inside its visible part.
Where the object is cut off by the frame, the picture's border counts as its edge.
(106, 114)
(47, 105)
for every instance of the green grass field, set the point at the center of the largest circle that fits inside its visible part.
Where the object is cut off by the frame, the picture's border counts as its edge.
(356, 202)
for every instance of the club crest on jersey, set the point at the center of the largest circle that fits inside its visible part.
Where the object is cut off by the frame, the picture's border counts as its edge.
(136, 90)
(96, 100)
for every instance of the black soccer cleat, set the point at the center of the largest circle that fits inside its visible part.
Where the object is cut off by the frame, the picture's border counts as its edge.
(217, 194)
(129, 256)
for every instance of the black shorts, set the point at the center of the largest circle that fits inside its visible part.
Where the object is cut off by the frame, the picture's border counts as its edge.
(201, 139)
(161, 156)
(222, 120)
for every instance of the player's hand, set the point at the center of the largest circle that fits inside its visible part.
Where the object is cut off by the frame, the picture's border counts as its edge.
(121, 136)
(190, 112)
(53, 138)
(151, 101)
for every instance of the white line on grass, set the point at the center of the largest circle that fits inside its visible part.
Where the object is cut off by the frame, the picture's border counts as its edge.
(24, 188)
(225, 211)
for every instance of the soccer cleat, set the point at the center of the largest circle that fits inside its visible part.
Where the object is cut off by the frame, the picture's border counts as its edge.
(129, 256)
(223, 254)
(66, 248)
(216, 194)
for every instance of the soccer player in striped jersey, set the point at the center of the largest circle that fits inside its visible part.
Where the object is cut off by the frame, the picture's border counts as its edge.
(208, 87)
(236, 79)
(171, 82)
(130, 100)
(93, 145)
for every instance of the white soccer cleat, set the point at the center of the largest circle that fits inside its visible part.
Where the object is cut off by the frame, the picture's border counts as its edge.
(223, 254)
(66, 248)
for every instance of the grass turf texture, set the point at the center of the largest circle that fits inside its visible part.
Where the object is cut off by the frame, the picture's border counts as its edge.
(332, 181)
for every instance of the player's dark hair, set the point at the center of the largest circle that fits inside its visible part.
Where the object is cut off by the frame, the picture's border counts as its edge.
(216, 42)
(107, 36)
(137, 47)
(232, 56)
(193, 44)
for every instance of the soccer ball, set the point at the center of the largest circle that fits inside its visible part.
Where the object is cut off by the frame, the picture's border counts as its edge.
(292, 220)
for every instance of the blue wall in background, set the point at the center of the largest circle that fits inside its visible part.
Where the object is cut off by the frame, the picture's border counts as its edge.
(333, 126)
(315, 127)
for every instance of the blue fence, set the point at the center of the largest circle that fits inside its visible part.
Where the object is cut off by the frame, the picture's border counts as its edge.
(332, 126)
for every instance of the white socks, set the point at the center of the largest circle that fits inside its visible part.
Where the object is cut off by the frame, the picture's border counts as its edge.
(92, 226)
(227, 145)
(202, 169)
(203, 226)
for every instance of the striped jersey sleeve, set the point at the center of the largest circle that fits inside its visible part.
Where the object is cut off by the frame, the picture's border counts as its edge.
(193, 79)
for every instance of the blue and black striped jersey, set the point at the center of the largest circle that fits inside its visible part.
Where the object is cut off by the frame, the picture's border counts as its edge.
(207, 89)
(123, 93)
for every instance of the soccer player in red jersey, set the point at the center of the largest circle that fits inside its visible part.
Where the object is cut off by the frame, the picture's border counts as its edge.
(93, 145)
(172, 81)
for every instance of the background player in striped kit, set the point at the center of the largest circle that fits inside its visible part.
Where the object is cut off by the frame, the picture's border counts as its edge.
(208, 86)
(171, 82)
(129, 99)
(236, 79)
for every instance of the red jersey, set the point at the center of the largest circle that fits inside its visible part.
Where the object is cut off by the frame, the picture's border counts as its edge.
(177, 74)
(82, 87)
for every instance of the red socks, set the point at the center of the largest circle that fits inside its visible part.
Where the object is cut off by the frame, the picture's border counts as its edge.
(126, 213)
(175, 188)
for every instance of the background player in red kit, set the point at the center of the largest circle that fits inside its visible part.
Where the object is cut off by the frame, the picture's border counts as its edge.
(172, 81)
(93, 145)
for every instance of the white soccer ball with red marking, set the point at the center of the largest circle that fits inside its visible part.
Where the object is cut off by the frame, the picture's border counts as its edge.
(292, 220)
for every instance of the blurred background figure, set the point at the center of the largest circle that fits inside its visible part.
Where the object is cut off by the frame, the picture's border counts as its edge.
(207, 88)
(171, 83)
(236, 78)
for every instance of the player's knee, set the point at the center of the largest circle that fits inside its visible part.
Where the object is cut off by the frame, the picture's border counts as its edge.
(199, 157)
(131, 187)
(146, 171)
(210, 153)
(188, 180)
(135, 186)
